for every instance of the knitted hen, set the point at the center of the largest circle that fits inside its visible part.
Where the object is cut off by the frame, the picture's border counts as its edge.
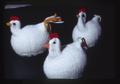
(29, 40)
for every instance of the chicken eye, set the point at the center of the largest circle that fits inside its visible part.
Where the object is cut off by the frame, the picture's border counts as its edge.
(83, 40)
(54, 42)
(14, 23)
(99, 19)
(83, 15)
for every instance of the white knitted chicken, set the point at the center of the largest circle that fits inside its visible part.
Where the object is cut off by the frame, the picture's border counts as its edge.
(29, 40)
(66, 64)
(90, 30)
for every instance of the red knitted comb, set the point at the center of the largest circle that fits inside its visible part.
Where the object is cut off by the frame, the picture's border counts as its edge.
(14, 18)
(83, 10)
(54, 35)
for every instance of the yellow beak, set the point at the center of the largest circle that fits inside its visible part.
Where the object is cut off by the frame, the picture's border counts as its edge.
(8, 24)
(46, 46)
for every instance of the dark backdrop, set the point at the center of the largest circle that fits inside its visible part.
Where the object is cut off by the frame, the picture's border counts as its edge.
(100, 58)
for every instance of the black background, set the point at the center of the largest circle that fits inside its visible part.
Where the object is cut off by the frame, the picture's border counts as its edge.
(100, 59)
